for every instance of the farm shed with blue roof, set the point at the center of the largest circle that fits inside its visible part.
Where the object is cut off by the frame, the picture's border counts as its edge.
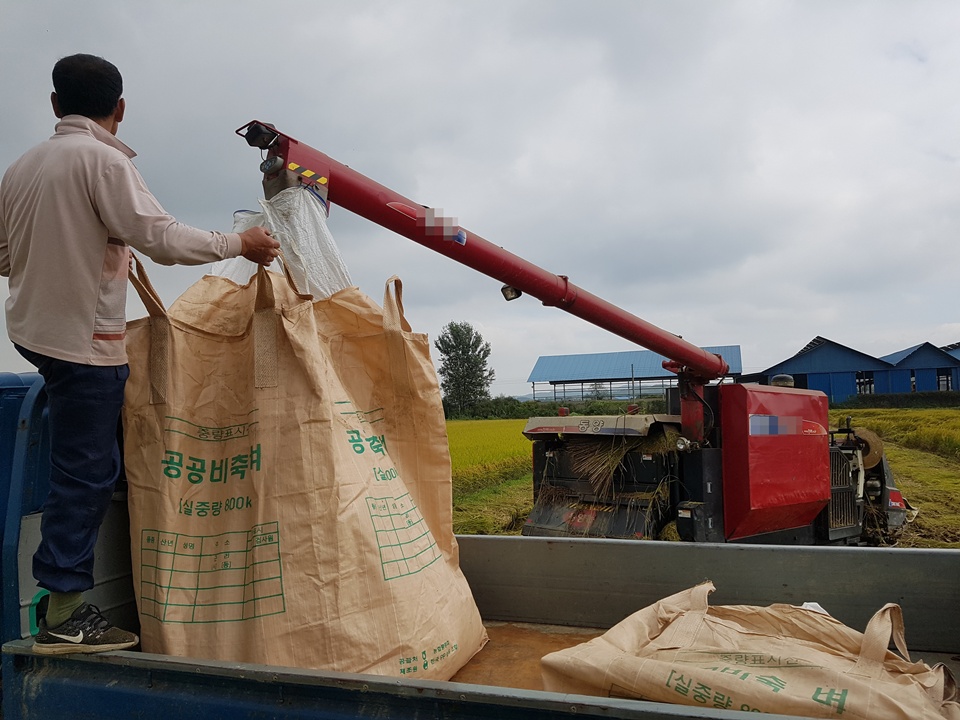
(921, 368)
(842, 372)
(626, 374)
(836, 370)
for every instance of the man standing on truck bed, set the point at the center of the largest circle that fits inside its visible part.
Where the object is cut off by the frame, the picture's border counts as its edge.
(70, 209)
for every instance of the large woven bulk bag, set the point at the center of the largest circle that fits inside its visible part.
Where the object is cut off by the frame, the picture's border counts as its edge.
(289, 483)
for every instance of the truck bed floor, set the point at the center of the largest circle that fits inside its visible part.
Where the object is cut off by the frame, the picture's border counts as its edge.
(512, 657)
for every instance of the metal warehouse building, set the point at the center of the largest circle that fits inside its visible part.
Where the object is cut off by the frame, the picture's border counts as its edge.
(618, 375)
(842, 372)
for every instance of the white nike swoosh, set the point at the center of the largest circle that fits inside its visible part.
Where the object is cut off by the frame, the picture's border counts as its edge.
(78, 638)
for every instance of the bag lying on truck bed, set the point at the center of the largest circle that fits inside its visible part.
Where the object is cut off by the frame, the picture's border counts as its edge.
(289, 483)
(777, 659)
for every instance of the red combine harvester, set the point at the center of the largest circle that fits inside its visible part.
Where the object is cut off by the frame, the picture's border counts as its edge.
(730, 462)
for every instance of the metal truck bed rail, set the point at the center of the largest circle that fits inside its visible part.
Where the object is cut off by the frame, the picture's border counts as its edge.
(156, 687)
(598, 582)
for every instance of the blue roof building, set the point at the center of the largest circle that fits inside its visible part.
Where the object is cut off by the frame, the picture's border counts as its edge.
(922, 368)
(624, 374)
(842, 372)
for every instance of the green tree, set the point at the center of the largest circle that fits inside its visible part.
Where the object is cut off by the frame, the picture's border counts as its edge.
(599, 391)
(464, 374)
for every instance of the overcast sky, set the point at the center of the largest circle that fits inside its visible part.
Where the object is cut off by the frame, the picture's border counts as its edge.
(750, 173)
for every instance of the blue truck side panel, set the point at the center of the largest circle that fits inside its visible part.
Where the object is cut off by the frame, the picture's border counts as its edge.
(25, 469)
(154, 687)
(23, 452)
(13, 389)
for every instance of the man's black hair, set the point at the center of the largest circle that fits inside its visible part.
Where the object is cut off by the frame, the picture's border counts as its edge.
(87, 85)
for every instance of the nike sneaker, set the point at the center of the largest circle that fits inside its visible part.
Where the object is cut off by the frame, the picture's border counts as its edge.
(86, 631)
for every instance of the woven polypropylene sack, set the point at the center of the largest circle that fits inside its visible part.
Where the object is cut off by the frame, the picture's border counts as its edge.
(289, 483)
(778, 659)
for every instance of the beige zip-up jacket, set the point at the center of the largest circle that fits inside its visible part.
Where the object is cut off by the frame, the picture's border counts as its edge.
(69, 209)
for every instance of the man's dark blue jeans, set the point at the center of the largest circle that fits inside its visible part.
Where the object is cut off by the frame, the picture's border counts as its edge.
(83, 403)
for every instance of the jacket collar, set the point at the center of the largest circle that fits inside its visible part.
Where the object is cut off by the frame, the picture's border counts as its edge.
(72, 124)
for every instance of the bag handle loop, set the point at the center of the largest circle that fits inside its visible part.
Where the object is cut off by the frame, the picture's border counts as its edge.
(394, 326)
(159, 331)
(148, 295)
(886, 622)
(683, 631)
(393, 317)
(265, 361)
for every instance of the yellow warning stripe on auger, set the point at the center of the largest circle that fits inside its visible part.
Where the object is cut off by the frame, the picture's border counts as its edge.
(304, 172)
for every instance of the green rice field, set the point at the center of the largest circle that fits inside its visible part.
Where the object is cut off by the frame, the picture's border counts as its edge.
(492, 477)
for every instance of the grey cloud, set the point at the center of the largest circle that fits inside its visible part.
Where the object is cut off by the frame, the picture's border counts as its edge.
(738, 172)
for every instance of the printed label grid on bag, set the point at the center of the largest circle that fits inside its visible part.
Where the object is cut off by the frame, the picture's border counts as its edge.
(211, 578)
(405, 542)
